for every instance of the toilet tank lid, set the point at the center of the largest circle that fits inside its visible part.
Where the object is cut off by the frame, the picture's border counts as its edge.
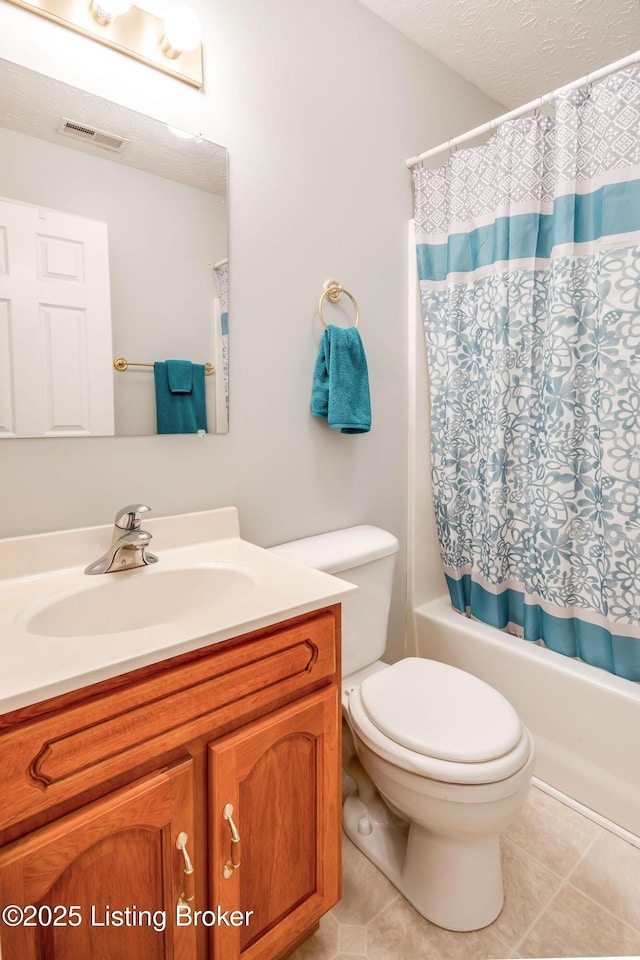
(340, 549)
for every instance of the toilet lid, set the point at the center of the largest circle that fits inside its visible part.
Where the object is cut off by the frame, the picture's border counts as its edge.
(440, 711)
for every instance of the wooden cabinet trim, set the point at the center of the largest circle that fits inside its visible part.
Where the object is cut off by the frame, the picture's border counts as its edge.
(83, 747)
(52, 759)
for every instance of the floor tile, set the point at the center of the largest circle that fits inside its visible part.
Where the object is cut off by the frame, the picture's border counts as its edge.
(552, 832)
(528, 888)
(352, 939)
(365, 890)
(543, 915)
(610, 874)
(322, 945)
(575, 926)
(399, 933)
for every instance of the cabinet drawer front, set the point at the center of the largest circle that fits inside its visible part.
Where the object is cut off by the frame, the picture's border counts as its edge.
(52, 759)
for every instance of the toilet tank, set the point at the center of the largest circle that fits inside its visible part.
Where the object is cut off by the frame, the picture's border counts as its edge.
(365, 556)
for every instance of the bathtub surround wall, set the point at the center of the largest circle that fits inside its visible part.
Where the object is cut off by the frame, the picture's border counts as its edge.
(318, 103)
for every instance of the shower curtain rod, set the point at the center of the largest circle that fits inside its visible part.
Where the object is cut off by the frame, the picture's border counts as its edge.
(535, 104)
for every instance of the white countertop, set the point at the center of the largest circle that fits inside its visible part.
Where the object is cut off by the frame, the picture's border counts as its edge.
(34, 571)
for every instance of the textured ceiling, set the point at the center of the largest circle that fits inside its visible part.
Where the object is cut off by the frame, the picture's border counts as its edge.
(516, 50)
(35, 104)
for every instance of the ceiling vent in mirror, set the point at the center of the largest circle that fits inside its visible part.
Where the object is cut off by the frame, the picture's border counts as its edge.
(101, 138)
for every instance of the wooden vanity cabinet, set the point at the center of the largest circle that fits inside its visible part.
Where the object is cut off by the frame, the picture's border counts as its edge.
(226, 759)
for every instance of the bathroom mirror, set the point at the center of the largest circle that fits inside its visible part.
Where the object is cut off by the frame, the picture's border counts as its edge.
(113, 243)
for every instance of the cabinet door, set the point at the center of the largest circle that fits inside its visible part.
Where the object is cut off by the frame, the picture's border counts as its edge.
(281, 774)
(115, 862)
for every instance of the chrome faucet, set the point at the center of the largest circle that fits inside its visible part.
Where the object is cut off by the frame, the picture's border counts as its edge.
(128, 544)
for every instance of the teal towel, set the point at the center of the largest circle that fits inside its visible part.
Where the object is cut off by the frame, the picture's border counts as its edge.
(180, 376)
(341, 381)
(180, 396)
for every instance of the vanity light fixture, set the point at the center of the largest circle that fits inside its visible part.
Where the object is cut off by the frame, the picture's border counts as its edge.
(172, 46)
(105, 11)
(182, 31)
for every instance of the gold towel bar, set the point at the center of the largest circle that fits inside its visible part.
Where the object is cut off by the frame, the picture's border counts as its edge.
(333, 291)
(121, 364)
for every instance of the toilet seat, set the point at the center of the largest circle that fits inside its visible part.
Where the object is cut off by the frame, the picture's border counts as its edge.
(439, 711)
(489, 770)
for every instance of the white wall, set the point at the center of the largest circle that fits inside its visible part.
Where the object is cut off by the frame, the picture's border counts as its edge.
(162, 291)
(319, 103)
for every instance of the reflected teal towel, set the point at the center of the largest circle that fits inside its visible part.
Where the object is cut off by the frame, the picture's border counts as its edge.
(180, 396)
(341, 381)
(180, 376)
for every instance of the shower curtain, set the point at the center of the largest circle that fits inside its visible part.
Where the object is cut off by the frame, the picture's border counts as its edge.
(221, 271)
(529, 265)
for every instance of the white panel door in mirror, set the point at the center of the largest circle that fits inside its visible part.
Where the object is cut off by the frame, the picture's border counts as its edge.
(58, 342)
(60, 259)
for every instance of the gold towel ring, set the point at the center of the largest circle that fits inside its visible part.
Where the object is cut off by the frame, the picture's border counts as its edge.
(333, 291)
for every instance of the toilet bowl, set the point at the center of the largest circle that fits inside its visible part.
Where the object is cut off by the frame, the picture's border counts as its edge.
(458, 777)
(442, 763)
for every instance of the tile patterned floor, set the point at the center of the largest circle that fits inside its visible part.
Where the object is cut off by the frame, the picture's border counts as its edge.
(572, 889)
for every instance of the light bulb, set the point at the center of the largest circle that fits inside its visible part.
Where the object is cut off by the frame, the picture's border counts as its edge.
(181, 134)
(182, 31)
(105, 11)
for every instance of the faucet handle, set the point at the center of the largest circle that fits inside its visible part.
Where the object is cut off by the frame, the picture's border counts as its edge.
(130, 518)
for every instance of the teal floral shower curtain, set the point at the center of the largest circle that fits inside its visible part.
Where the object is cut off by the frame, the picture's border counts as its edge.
(221, 271)
(529, 264)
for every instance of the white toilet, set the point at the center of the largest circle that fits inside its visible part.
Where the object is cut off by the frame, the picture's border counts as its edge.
(441, 760)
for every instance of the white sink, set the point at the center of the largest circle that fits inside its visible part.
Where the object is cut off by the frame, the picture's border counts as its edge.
(140, 598)
(61, 629)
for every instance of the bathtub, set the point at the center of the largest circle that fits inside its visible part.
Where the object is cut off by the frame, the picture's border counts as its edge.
(585, 722)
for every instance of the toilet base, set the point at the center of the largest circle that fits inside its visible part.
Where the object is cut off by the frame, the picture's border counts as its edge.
(454, 883)
(378, 833)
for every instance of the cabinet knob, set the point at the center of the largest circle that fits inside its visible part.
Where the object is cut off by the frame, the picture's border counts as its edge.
(231, 864)
(189, 894)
